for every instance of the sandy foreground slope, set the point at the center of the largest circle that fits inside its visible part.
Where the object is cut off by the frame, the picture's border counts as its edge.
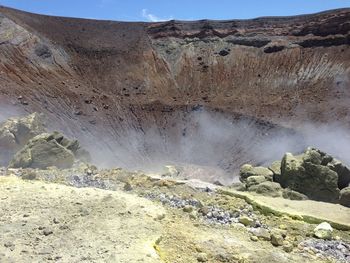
(46, 222)
(42, 222)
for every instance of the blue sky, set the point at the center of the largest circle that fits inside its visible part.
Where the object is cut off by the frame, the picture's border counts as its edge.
(157, 10)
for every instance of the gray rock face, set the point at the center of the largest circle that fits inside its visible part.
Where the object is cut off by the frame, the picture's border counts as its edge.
(47, 150)
(16, 132)
(309, 174)
(345, 197)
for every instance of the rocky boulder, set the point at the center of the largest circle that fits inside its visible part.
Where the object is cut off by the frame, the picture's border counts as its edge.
(342, 171)
(277, 238)
(47, 150)
(267, 189)
(293, 195)
(323, 231)
(255, 180)
(16, 132)
(310, 174)
(248, 170)
(261, 233)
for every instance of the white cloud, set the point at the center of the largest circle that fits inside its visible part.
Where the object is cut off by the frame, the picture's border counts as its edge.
(153, 18)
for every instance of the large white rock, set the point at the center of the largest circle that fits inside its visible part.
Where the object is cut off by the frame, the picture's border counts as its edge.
(323, 231)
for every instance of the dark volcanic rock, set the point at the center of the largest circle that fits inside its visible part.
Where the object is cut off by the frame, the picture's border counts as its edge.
(249, 42)
(43, 51)
(325, 42)
(274, 49)
(342, 171)
(224, 53)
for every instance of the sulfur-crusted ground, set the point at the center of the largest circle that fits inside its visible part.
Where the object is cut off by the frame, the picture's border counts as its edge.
(142, 219)
(42, 222)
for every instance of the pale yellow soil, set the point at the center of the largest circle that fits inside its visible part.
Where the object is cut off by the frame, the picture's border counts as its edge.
(92, 225)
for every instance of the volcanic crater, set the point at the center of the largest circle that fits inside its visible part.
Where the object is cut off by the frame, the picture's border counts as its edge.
(204, 93)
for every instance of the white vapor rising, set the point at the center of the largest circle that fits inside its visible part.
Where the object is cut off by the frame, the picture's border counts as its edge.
(151, 17)
(8, 111)
(210, 139)
(205, 139)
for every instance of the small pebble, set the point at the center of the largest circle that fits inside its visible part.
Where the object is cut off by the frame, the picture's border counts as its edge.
(277, 239)
(47, 232)
(287, 247)
(202, 257)
(187, 209)
(245, 220)
(160, 217)
(9, 244)
(254, 238)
